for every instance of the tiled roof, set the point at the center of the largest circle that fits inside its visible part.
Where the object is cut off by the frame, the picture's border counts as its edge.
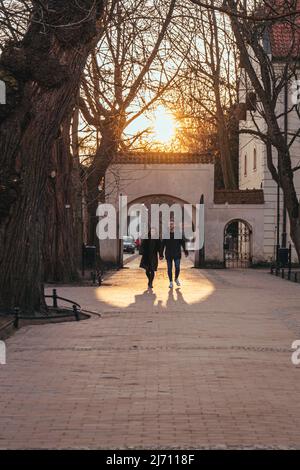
(247, 196)
(285, 33)
(162, 158)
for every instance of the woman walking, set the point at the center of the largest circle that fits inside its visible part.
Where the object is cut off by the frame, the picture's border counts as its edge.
(150, 249)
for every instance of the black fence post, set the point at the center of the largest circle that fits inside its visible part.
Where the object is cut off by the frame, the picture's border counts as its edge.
(54, 295)
(290, 262)
(99, 277)
(76, 313)
(17, 313)
(83, 260)
(225, 247)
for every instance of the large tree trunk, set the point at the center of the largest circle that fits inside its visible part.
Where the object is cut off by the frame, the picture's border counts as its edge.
(229, 177)
(226, 153)
(47, 66)
(79, 190)
(104, 156)
(286, 179)
(63, 229)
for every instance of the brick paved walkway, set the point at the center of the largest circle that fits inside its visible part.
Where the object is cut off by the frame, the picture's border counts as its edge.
(208, 365)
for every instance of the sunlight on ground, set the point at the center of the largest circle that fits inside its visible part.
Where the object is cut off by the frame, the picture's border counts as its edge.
(134, 293)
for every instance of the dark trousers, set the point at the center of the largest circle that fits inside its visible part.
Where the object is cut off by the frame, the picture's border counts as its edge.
(170, 268)
(150, 275)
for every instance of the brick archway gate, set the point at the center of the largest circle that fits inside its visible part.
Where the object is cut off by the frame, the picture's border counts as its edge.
(162, 199)
(188, 222)
(179, 177)
(158, 177)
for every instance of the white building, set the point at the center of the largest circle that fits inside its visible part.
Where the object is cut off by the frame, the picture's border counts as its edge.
(253, 168)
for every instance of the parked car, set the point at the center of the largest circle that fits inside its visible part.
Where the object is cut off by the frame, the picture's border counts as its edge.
(128, 245)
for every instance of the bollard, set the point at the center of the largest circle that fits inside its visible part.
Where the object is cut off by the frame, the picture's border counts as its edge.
(54, 298)
(296, 277)
(282, 273)
(17, 313)
(75, 311)
(290, 262)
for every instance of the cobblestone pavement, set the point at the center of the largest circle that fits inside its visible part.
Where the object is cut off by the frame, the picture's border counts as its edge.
(208, 365)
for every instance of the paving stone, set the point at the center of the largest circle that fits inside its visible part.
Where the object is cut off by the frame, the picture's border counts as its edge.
(204, 366)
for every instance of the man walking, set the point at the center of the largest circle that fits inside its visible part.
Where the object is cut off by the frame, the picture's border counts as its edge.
(172, 248)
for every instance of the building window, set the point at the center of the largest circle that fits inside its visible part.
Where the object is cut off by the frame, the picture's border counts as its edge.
(254, 160)
(245, 165)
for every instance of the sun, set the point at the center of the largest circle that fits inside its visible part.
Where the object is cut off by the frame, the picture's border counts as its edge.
(163, 125)
(158, 128)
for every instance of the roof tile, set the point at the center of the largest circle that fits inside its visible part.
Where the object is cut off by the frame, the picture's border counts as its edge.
(239, 196)
(170, 158)
(285, 33)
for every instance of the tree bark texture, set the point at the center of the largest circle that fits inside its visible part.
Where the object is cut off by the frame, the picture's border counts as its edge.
(47, 67)
(63, 229)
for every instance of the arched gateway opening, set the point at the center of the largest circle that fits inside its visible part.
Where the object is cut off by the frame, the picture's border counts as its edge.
(237, 244)
(163, 199)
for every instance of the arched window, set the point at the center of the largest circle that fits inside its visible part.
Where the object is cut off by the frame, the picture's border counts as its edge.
(254, 159)
(245, 165)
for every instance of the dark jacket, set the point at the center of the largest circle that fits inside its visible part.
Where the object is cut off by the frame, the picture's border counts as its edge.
(150, 250)
(172, 247)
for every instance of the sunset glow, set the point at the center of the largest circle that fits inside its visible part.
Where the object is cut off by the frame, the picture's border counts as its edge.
(159, 126)
(164, 126)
